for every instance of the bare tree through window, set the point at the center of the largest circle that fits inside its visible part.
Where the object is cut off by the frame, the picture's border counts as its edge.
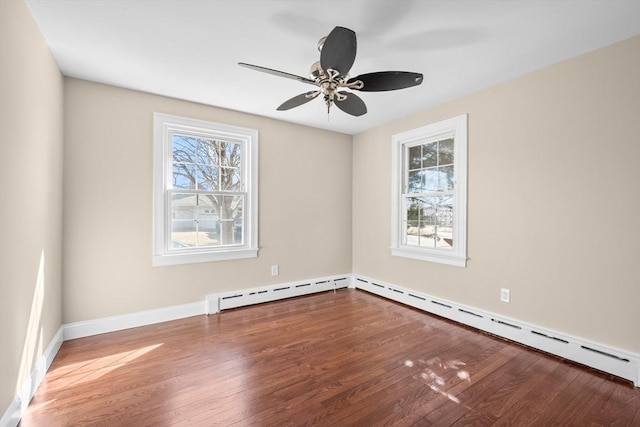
(207, 198)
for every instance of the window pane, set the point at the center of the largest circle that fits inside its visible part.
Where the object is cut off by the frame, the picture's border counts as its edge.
(229, 179)
(237, 207)
(208, 232)
(184, 171)
(238, 230)
(231, 154)
(207, 177)
(183, 234)
(445, 222)
(428, 212)
(415, 182)
(412, 231)
(208, 221)
(208, 204)
(413, 209)
(430, 155)
(184, 176)
(446, 152)
(237, 180)
(236, 155)
(230, 206)
(183, 221)
(445, 178)
(231, 216)
(415, 156)
(207, 152)
(431, 179)
(184, 148)
(183, 206)
(427, 241)
(445, 208)
(412, 222)
(444, 238)
(427, 223)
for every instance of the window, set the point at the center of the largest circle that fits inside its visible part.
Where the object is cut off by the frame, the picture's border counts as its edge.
(429, 206)
(205, 191)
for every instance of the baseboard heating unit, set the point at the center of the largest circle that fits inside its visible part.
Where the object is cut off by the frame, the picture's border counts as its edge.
(227, 300)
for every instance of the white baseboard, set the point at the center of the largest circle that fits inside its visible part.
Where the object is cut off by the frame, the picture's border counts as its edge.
(605, 358)
(244, 297)
(18, 406)
(132, 320)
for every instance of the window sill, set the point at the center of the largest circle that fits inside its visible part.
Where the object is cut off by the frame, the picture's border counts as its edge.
(192, 258)
(431, 256)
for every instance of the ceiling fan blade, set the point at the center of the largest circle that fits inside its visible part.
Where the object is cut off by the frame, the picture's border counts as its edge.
(339, 50)
(387, 80)
(352, 104)
(278, 73)
(298, 100)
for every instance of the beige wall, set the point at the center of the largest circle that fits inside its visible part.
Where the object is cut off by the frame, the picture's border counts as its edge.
(554, 199)
(304, 220)
(30, 197)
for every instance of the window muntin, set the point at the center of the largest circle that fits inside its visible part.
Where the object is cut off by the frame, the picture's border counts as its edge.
(205, 191)
(429, 193)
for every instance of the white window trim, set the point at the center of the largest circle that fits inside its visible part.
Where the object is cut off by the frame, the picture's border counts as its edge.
(162, 174)
(456, 126)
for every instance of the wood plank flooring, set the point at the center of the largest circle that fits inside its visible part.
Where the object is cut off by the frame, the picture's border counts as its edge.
(347, 358)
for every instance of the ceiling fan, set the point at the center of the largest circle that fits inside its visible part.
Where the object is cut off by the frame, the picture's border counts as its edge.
(331, 74)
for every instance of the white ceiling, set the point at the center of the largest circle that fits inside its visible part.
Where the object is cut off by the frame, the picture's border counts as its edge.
(190, 49)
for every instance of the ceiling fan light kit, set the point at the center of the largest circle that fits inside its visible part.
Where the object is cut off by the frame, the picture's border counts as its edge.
(331, 76)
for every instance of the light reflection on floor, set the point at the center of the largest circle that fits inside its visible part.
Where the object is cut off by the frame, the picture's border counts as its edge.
(434, 370)
(230, 368)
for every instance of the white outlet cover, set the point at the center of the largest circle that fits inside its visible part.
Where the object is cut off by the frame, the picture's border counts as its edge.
(505, 295)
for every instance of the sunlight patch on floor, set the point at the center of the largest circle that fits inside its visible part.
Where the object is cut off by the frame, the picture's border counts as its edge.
(89, 370)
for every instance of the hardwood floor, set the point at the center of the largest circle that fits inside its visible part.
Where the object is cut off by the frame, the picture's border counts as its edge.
(333, 359)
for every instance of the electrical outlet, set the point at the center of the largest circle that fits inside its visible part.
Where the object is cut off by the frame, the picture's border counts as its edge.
(274, 270)
(505, 295)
